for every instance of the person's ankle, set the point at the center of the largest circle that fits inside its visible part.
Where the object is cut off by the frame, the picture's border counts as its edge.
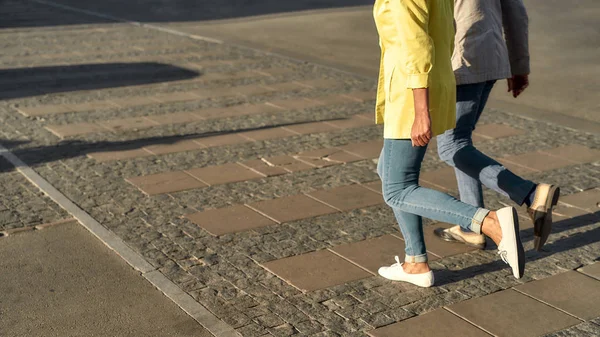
(491, 227)
(416, 268)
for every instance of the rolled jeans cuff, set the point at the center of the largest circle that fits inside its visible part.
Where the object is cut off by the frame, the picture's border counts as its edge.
(478, 220)
(415, 259)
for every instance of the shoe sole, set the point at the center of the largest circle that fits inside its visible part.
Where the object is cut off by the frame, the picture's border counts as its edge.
(543, 226)
(440, 233)
(520, 249)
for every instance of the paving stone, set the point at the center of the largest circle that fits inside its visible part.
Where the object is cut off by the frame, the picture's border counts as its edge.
(508, 313)
(166, 182)
(592, 270)
(129, 102)
(295, 104)
(273, 71)
(317, 270)
(493, 131)
(68, 130)
(90, 106)
(440, 247)
(128, 123)
(334, 99)
(289, 163)
(444, 178)
(229, 220)
(586, 329)
(251, 90)
(211, 113)
(374, 186)
(318, 83)
(223, 174)
(175, 97)
(286, 86)
(515, 168)
(174, 118)
(253, 109)
(374, 253)
(103, 156)
(569, 211)
(366, 150)
(292, 208)
(352, 122)
(439, 322)
(572, 292)
(177, 146)
(44, 110)
(264, 134)
(576, 153)
(538, 161)
(221, 140)
(362, 96)
(350, 197)
(326, 157)
(589, 200)
(264, 168)
(307, 128)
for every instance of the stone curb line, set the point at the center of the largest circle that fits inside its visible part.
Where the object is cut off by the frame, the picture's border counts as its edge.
(135, 260)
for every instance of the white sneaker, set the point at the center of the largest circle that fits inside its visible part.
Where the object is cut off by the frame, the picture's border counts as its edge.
(510, 247)
(395, 272)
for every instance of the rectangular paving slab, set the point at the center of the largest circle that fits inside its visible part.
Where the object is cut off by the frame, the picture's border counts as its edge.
(573, 292)
(592, 270)
(292, 208)
(227, 220)
(316, 270)
(166, 182)
(589, 200)
(509, 313)
(437, 323)
(222, 174)
(346, 198)
(374, 253)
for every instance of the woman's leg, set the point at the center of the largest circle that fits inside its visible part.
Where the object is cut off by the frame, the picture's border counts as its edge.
(399, 168)
(411, 226)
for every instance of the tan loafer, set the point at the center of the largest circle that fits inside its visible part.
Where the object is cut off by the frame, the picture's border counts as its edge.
(546, 197)
(455, 234)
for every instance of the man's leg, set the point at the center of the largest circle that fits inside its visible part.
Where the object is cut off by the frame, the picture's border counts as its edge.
(457, 150)
(469, 105)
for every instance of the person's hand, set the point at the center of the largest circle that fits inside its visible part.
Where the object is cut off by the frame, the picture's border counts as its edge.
(517, 84)
(420, 134)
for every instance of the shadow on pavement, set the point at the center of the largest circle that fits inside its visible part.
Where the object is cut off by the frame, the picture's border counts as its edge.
(75, 148)
(25, 82)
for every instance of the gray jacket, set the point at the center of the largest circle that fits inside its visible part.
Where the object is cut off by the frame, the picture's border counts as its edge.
(481, 52)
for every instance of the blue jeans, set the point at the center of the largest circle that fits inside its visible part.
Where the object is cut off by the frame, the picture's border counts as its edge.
(472, 167)
(399, 167)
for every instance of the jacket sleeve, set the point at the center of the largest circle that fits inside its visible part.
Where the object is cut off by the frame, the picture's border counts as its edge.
(416, 45)
(516, 32)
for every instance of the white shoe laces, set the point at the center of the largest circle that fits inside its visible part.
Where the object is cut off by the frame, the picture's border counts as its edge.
(504, 255)
(397, 264)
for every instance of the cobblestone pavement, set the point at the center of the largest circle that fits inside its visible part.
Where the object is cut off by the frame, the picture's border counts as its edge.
(99, 110)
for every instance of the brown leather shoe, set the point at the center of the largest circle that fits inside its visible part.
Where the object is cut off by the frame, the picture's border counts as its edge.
(455, 234)
(546, 197)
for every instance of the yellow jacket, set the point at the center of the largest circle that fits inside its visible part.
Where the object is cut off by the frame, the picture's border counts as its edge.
(417, 40)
